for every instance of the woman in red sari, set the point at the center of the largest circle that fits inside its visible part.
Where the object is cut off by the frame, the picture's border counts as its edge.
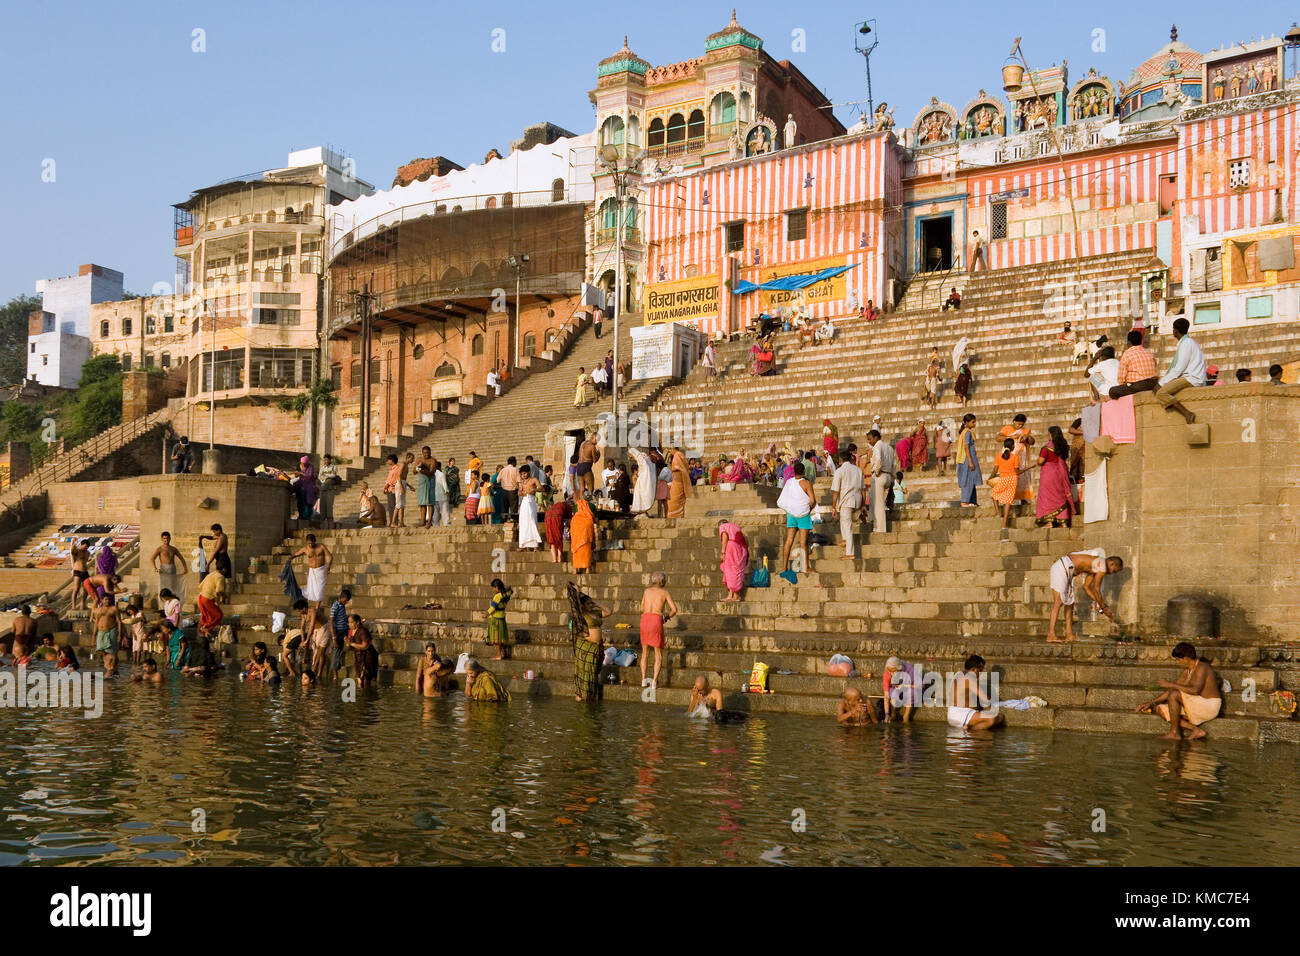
(557, 515)
(920, 448)
(830, 437)
(1055, 493)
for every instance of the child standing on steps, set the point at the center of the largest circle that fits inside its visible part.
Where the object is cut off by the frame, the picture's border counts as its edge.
(498, 635)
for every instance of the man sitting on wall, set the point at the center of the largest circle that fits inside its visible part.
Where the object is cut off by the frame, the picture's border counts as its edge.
(953, 302)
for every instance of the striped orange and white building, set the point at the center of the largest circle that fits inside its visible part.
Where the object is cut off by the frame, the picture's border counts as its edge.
(843, 193)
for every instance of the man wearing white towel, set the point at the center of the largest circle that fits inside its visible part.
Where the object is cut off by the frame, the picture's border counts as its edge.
(319, 561)
(1092, 565)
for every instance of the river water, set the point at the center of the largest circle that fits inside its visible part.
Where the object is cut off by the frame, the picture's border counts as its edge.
(222, 772)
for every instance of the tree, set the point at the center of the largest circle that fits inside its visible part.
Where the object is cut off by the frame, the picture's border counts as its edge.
(321, 394)
(13, 337)
(98, 405)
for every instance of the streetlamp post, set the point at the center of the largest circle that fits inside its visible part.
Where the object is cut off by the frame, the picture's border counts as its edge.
(619, 164)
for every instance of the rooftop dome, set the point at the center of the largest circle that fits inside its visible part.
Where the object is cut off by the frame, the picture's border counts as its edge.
(1174, 57)
(732, 34)
(624, 61)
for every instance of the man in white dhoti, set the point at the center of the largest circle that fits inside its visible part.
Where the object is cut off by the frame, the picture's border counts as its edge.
(319, 561)
(1092, 565)
(530, 538)
(643, 493)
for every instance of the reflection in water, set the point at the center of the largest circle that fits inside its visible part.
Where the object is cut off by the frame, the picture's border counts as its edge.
(292, 776)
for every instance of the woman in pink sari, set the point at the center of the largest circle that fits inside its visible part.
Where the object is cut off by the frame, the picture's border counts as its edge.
(738, 472)
(920, 448)
(903, 449)
(1055, 494)
(735, 558)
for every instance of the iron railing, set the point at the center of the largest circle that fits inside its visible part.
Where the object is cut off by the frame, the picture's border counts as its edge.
(77, 459)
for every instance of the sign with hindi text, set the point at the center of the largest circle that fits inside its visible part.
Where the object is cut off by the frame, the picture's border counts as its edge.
(682, 300)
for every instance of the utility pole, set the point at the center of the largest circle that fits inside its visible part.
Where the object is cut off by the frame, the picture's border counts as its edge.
(612, 159)
(212, 391)
(364, 299)
(1069, 187)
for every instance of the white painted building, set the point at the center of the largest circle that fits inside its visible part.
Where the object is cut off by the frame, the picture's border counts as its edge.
(59, 345)
(55, 358)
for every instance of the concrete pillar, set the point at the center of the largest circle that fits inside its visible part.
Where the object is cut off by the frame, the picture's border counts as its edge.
(211, 461)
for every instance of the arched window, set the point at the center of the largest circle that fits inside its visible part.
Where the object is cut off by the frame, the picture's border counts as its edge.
(633, 131)
(551, 335)
(476, 345)
(746, 108)
(695, 126)
(446, 370)
(629, 216)
(611, 132)
(722, 111)
(451, 275)
(656, 135)
(530, 344)
(676, 128)
(557, 190)
(103, 329)
(609, 213)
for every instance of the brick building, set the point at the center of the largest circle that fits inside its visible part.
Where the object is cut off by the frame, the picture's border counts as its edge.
(465, 272)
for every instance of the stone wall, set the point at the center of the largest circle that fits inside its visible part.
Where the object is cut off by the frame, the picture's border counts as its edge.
(144, 392)
(253, 512)
(263, 426)
(98, 502)
(1220, 520)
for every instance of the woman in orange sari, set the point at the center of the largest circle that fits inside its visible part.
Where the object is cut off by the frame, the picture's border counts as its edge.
(681, 487)
(1019, 432)
(582, 535)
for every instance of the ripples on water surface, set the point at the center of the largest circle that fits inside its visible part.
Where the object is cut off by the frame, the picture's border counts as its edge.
(292, 777)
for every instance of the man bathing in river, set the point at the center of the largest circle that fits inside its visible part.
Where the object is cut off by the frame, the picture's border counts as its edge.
(319, 562)
(854, 710)
(968, 706)
(1190, 701)
(657, 606)
(1093, 566)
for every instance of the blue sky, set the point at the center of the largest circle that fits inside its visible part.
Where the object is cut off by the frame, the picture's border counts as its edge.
(134, 119)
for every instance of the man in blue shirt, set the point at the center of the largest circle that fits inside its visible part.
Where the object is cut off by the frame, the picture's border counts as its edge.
(339, 625)
(1185, 371)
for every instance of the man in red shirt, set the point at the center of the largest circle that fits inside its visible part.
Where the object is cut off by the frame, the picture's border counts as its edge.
(1137, 368)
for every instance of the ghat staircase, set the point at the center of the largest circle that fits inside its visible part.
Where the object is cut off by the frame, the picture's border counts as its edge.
(1013, 319)
(516, 422)
(943, 582)
(940, 584)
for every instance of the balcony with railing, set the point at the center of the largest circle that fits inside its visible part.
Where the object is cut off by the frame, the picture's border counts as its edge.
(608, 235)
(683, 147)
